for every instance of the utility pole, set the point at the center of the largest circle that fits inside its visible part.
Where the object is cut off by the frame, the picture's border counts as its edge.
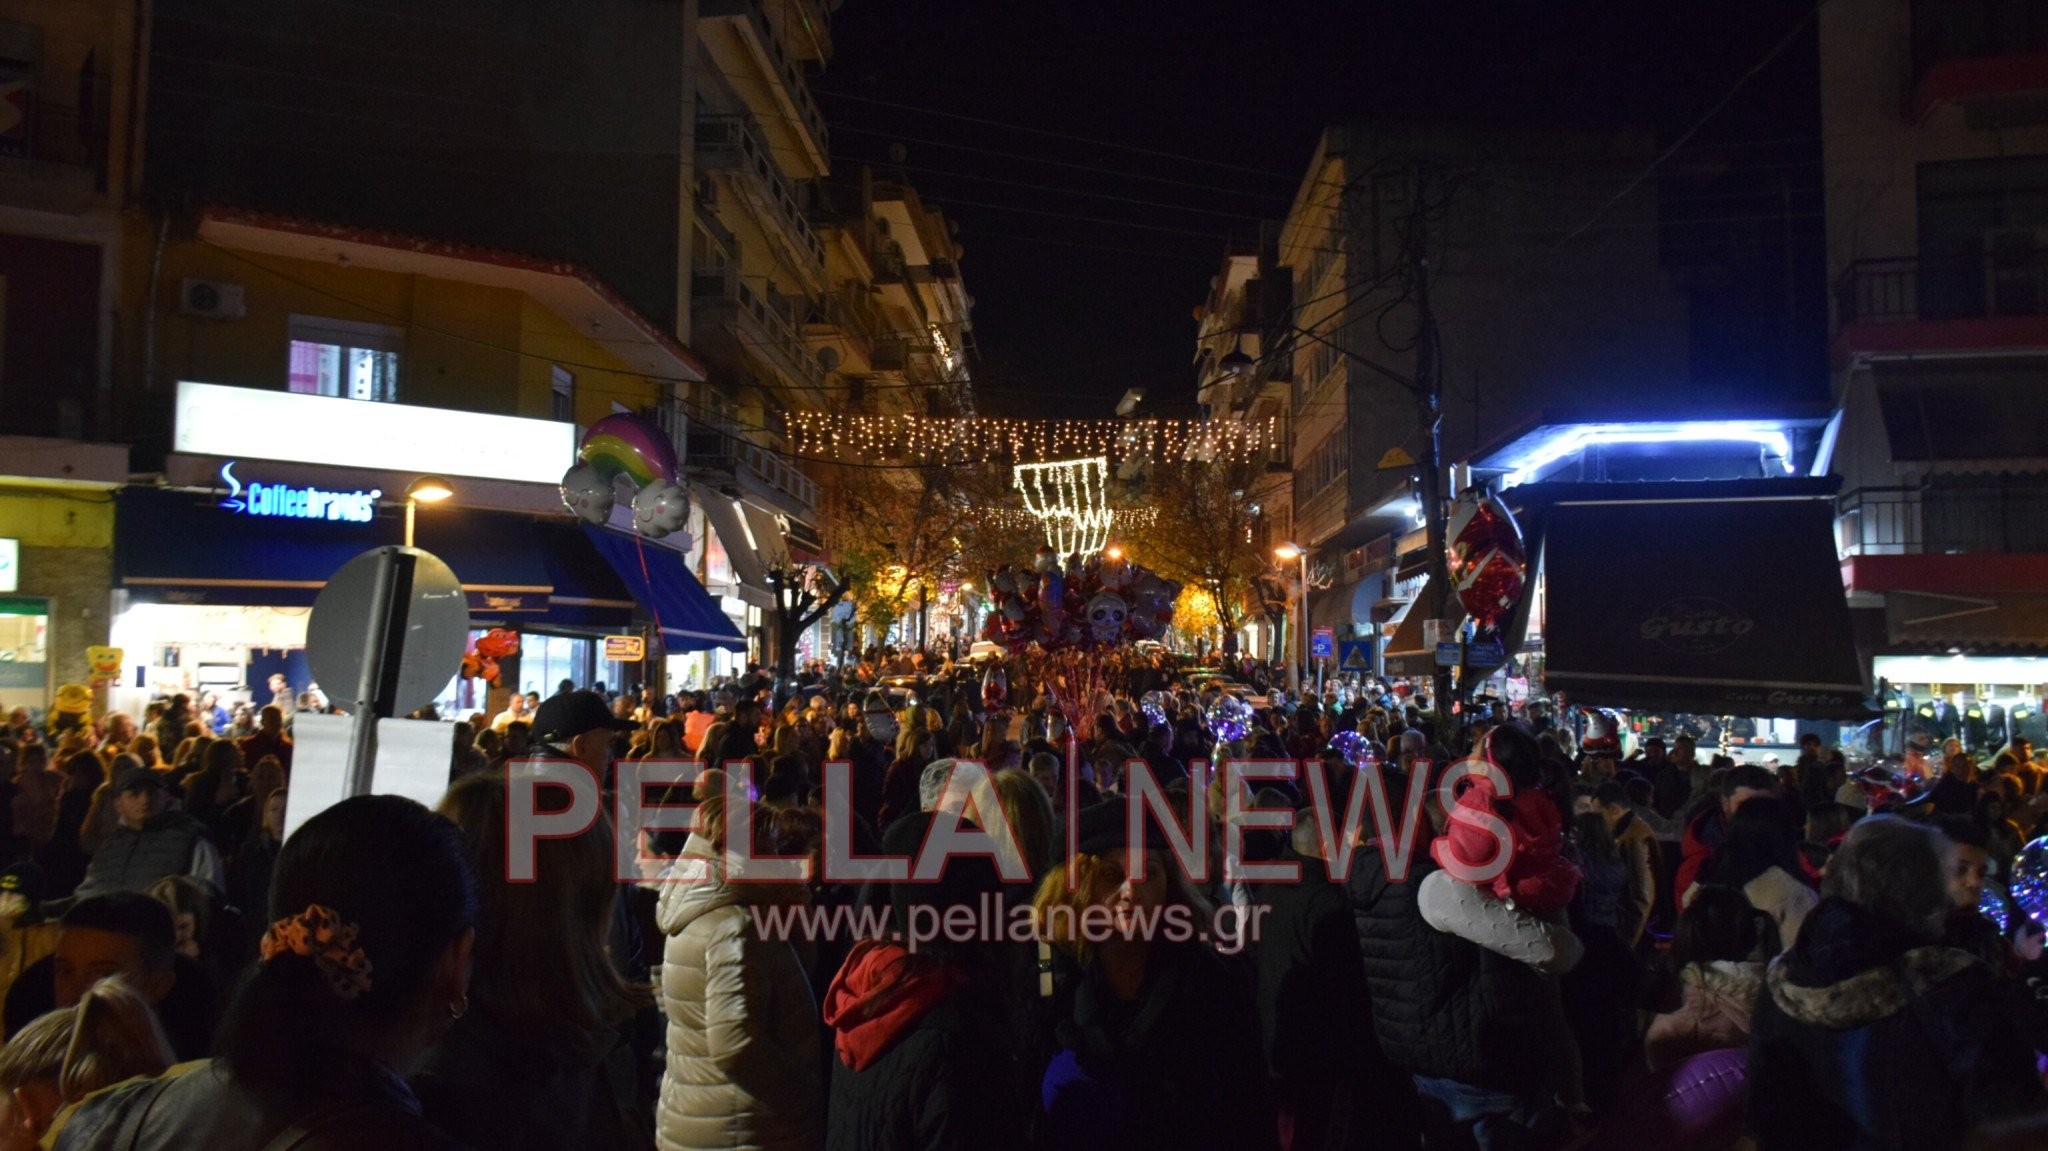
(1429, 409)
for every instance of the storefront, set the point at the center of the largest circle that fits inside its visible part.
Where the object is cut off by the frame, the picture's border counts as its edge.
(56, 561)
(1642, 605)
(216, 570)
(1984, 701)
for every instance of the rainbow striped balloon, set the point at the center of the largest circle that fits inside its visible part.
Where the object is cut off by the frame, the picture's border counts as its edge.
(630, 446)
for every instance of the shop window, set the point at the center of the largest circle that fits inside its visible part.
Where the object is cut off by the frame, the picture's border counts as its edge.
(25, 649)
(345, 359)
(563, 396)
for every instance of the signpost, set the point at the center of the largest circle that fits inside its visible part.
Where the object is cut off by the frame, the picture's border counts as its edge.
(388, 630)
(1323, 643)
(1355, 655)
(625, 648)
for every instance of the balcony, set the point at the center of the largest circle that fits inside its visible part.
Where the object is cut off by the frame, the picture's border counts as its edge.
(764, 328)
(1990, 56)
(727, 144)
(719, 446)
(742, 40)
(1929, 303)
(59, 164)
(848, 314)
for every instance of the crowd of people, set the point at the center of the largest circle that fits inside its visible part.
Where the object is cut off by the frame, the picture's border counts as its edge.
(1676, 949)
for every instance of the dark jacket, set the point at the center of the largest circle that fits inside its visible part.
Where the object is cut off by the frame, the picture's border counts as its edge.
(1314, 1012)
(1869, 1036)
(1182, 1061)
(941, 1081)
(490, 1086)
(201, 1105)
(132, 859)
(1446, 1008)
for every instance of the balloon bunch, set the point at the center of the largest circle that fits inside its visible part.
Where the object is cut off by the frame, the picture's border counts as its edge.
(481, 660)
(1101, 602)
(628, 453)
(1489, 564)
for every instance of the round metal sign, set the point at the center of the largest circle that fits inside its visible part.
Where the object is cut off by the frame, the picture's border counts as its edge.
(430, 627)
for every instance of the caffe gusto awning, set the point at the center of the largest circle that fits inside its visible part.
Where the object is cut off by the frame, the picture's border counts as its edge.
(1712, 607)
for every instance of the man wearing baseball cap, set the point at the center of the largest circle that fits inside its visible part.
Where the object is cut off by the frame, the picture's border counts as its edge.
(150, 841)
(578, 725)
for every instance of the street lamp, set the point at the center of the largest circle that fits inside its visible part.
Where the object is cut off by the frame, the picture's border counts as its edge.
(1284, 553)
(424, 490)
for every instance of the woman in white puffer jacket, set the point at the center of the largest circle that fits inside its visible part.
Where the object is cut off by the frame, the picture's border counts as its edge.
(743, 1056)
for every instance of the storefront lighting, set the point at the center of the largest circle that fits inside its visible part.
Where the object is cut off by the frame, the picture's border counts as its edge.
(1578, 439)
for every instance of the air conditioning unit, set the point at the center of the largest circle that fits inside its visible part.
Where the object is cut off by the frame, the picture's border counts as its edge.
(211, 299)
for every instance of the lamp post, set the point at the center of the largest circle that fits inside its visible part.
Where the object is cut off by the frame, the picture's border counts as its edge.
(424, 490)
(1296, 552)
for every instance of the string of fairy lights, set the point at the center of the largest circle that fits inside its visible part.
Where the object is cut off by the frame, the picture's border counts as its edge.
(1071, 498)
(1121, 520)
(1005, 439)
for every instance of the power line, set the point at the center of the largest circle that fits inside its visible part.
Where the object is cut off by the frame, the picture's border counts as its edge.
(1776, 50)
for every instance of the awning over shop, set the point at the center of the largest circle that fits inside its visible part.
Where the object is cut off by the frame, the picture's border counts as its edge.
(1714, 607)
(1407, 654)
(186, 547)
(769, 538)
(686, 614)
(588, 593)
(724, 513)
(1994, 621)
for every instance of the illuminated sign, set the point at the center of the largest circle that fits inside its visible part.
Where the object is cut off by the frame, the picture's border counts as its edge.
(248, 423)
(625, 648)
(10, 565)
(283, 501)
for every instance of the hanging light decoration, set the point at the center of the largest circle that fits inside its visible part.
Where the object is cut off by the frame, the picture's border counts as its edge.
(1071, 499)
(1001, 439)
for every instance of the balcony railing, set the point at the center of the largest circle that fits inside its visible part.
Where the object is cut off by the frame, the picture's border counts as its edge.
(715, 443)
(1975, 30)
(727, 143)
(1878, 521)
(852, 312)
(1968, 285)
(788, 72)
(768, 327)
(1949, 515)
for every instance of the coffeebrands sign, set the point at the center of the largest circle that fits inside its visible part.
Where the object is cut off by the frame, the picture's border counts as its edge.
(283, 501)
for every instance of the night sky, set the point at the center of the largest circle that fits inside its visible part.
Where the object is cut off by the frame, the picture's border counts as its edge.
(1096, 156)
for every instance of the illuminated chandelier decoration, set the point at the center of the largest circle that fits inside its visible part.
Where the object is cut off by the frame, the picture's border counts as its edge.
(999, 439)
(1071, 500)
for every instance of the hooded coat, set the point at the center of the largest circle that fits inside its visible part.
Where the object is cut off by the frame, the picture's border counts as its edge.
(1720, 998)
(743, 1060)
(1867, 1036)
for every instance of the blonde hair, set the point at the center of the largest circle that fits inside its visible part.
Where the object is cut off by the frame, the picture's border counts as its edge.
(110, 1036)
(1057, 911)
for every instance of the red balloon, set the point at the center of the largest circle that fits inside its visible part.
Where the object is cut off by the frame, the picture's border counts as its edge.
(1489, 566)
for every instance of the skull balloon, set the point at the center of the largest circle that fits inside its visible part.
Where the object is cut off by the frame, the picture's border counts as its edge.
(1106, 615)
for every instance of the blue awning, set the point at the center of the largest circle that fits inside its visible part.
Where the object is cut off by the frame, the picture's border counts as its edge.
(688, 617)
(185, 547)
(588, 593)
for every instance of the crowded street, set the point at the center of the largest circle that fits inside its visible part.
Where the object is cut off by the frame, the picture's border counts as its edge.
(909, 575)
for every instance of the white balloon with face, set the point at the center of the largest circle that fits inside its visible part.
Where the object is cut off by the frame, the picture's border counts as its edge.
(659, 509)
(1106, 615)
(588, 494)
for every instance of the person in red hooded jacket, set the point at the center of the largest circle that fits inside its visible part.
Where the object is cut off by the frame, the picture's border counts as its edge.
(1706, 829)
(923, 1054)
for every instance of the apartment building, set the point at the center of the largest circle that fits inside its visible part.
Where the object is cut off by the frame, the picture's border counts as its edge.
(1936, 146)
